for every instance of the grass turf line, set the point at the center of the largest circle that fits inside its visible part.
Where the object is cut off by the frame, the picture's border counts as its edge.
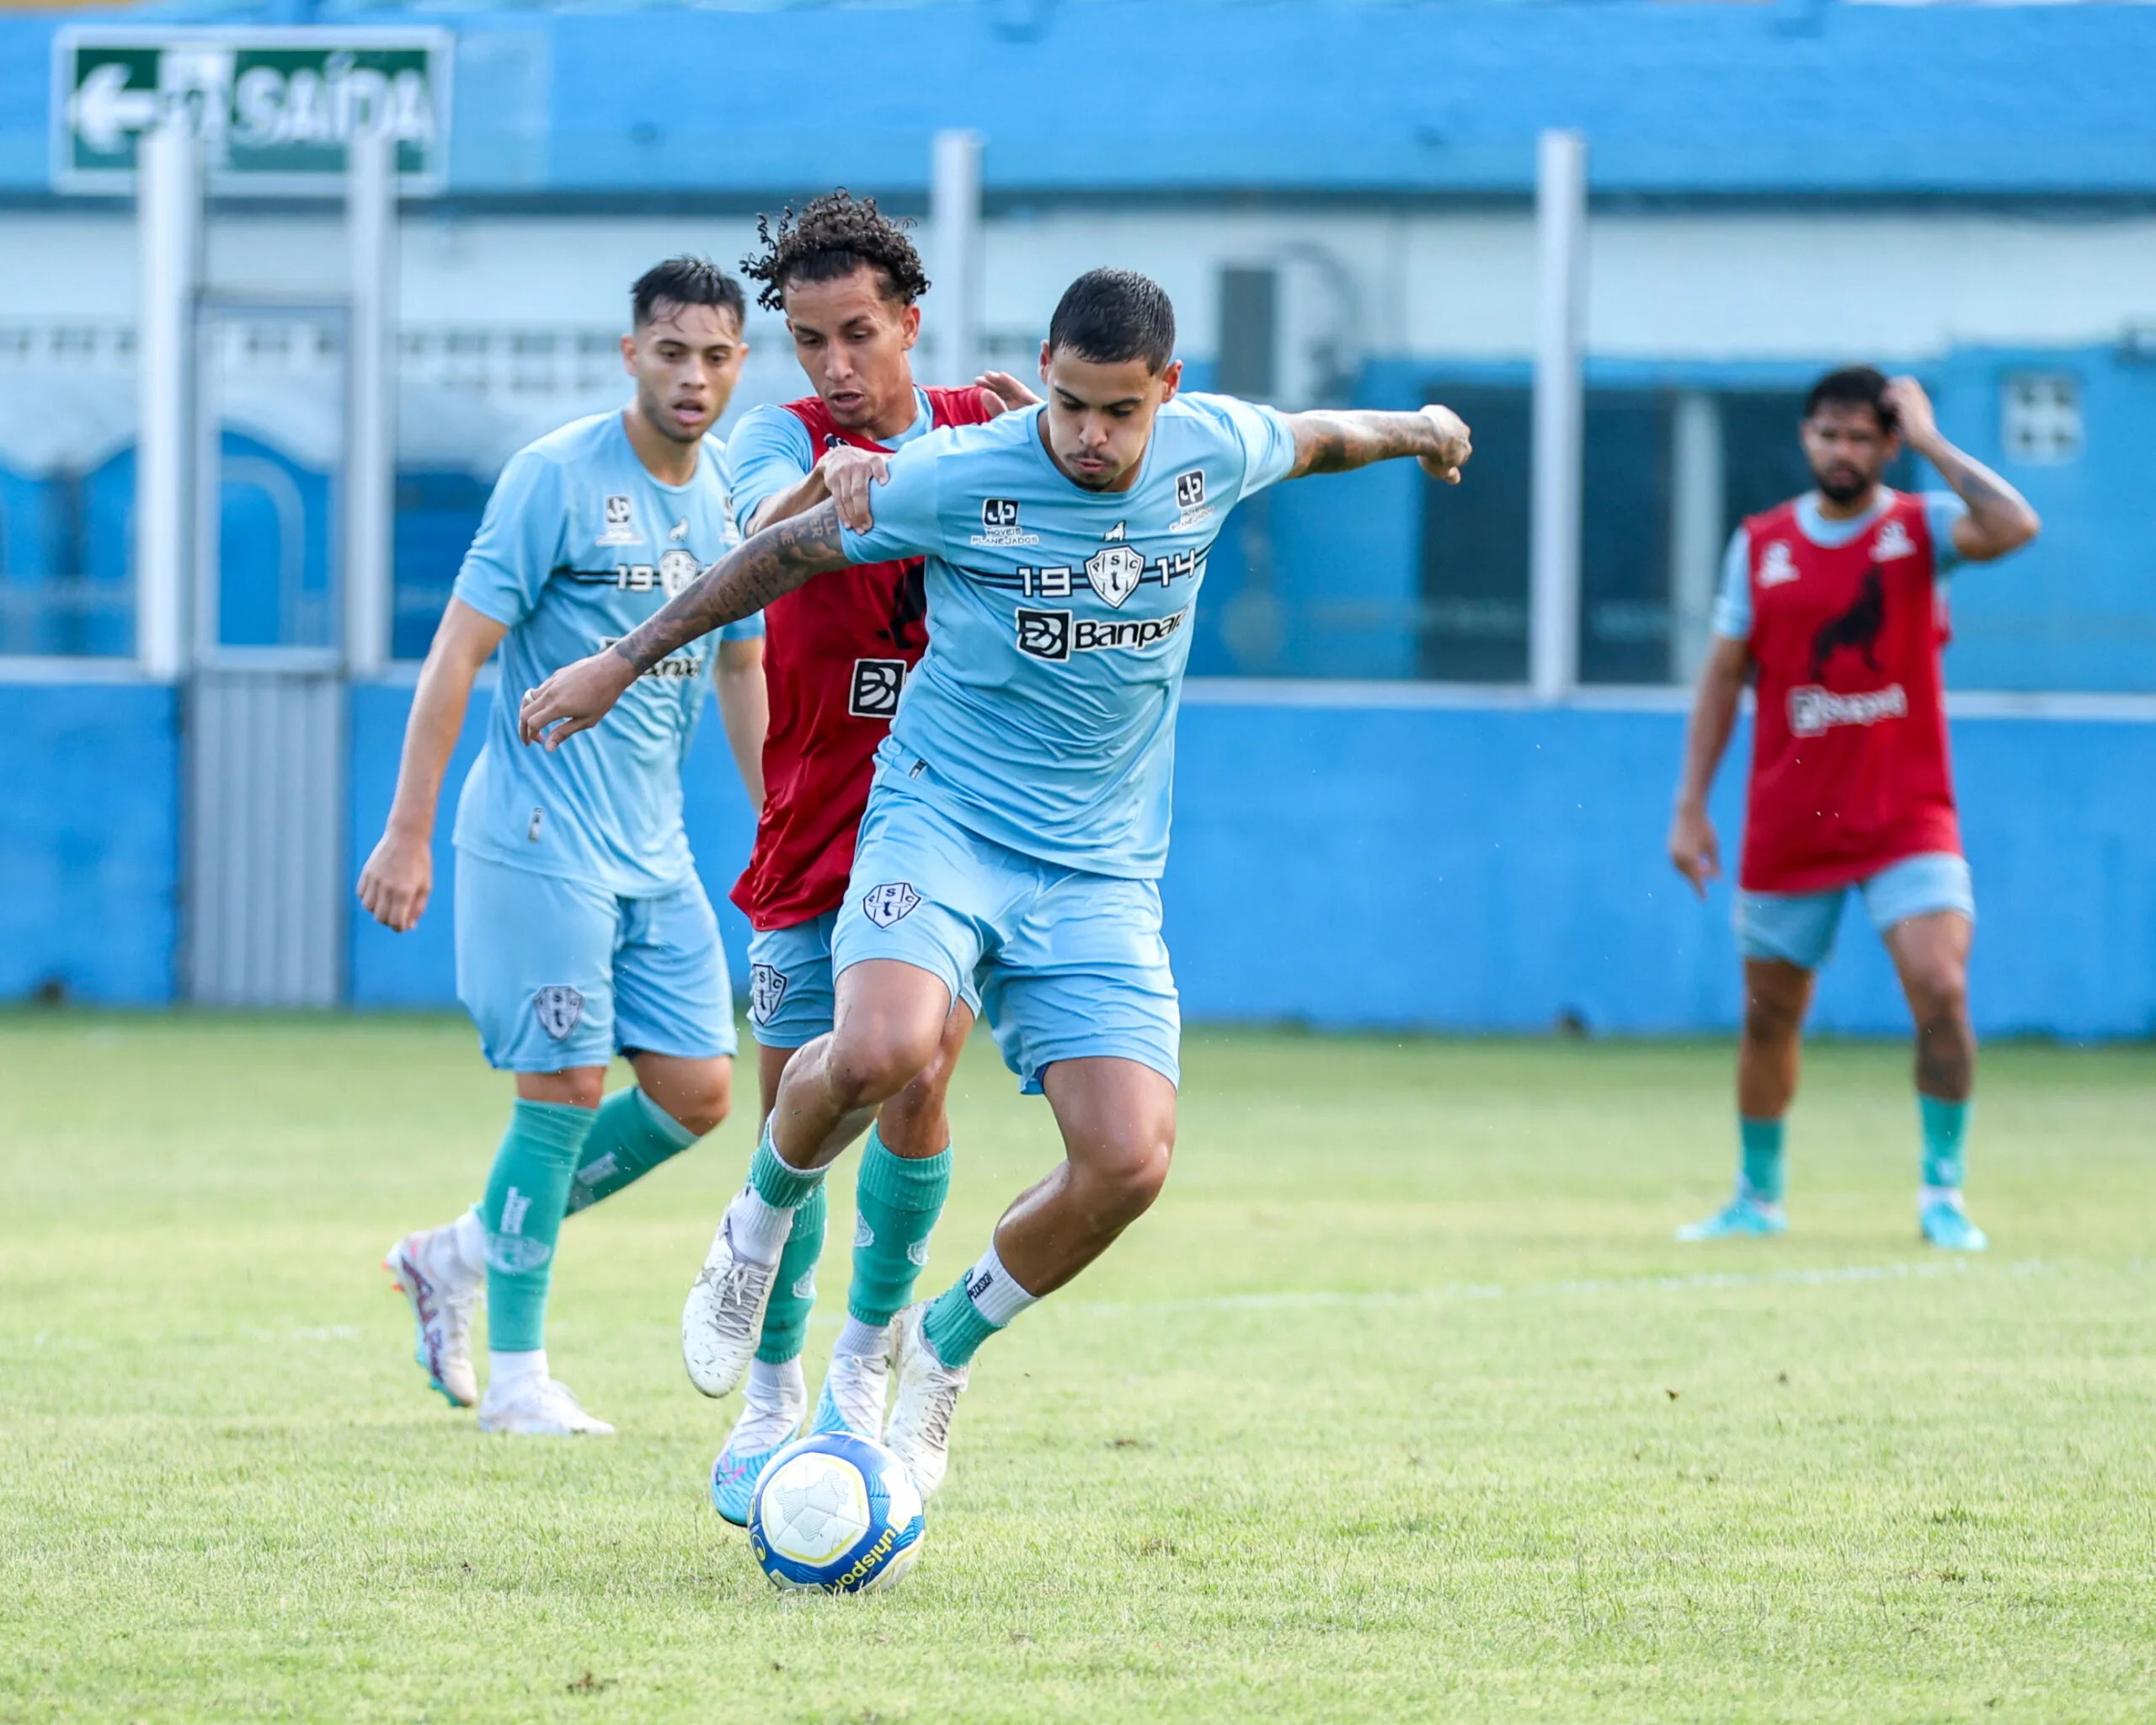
(1401, 1404)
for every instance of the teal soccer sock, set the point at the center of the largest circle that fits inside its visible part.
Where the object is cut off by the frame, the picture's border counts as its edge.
(527, 1195)
(779, 1185)
(897, 1200)
(1945, 1125)
(1759, 1158)
(972, 1309)
(631, 1136)
(793, 1287)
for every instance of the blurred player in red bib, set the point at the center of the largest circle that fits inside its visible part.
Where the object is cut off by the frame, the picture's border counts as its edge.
(1834, 607)
(837, 655)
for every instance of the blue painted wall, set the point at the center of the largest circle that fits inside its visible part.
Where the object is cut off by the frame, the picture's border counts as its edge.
(1490, 870)
(90, 840)
(1456, 869)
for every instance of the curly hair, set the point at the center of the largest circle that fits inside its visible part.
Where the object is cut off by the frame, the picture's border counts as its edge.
(834, 236)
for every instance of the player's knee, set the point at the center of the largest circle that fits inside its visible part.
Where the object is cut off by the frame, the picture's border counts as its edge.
(1769, 1019)
(702, 1107)
(1126, 1181)
(1938, 992)
(871, 1064)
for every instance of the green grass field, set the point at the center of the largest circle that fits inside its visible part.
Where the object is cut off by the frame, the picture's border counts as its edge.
(1401, 1405)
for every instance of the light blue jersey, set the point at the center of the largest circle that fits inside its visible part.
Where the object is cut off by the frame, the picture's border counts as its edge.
(1043, 716)
(1732, 618)
(579, 545)
(770, 452)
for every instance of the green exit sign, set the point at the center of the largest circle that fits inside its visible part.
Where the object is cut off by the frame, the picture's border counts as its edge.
(272, 108)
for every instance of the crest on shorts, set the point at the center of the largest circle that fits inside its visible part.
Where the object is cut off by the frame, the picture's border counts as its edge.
(890, 903)
(766, 989)
(560, 1010)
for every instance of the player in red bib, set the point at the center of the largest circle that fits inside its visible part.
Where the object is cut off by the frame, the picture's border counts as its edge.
(837, 653)
(1834, 607)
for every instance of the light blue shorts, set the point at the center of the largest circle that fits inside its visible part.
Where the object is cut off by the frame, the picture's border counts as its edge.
(791, 996)
(1070, 964)
(559, 973)
(1798, 928)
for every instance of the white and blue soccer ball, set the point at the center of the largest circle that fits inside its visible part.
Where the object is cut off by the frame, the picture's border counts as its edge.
(836, 1514)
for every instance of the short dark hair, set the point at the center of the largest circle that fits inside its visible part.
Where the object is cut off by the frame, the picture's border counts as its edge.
(831, 237)
(1108, 316)
(686, 281)
(1856, 386)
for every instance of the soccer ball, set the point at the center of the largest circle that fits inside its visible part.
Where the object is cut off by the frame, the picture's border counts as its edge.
(836, 1514)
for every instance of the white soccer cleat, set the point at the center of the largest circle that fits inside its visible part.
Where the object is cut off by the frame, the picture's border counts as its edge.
(852, 1397)
(540, 1407)
(919, 1432)
(723, 1319)
(430, 1273)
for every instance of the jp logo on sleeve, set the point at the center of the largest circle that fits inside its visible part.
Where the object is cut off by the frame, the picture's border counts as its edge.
(560, 1011)
(891, 903)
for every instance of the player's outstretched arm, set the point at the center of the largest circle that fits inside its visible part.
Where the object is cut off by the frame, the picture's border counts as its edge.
(1999, 519)
(767, 567)
(398, 878)
(1693, 846)
(1338, 440)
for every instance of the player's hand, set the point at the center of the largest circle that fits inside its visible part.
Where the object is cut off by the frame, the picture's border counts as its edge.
(1911, 409)
(1005, 391)
(848, 472)
(1693, 848)
(576, 698)
(397, 881)
(1454, 447)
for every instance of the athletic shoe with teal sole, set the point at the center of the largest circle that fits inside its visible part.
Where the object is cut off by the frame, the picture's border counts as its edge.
(1745, 1217)
(1944, 1225)
(734, 1479)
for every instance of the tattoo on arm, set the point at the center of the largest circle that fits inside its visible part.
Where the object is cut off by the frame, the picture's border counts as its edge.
(781, 558)
(1339, 440)
(1976, 484)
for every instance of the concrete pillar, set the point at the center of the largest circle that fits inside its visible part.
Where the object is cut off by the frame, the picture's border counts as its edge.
(370, 461)
(168, 217)
(1560, 413)
(955, 264)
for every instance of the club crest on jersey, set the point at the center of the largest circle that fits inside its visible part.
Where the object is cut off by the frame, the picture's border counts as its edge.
(618, 524)
(892, 902)
(1893, 541)
(676, 570)
(559, 1009)
(877, 683)
(766, 990)
(999, 524)
(1777, 566)
(1115, 572)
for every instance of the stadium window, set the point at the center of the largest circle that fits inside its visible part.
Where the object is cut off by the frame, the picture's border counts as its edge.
(2040, 418)
(438, 512)
(1471, 624)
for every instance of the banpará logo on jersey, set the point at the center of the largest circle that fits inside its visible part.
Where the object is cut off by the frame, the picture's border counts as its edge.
(1776, 565)
(1813, 710)
(876, 685)
(892, 902)
(681, 662)
(618, 524)
(1057, 634)
(766, 990)
(1893, 541)
(1115, 571)
(999, 524)
(559, 1010)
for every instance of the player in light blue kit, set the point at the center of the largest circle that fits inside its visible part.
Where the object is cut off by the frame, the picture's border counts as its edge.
(581, 927)
(1020, 817)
